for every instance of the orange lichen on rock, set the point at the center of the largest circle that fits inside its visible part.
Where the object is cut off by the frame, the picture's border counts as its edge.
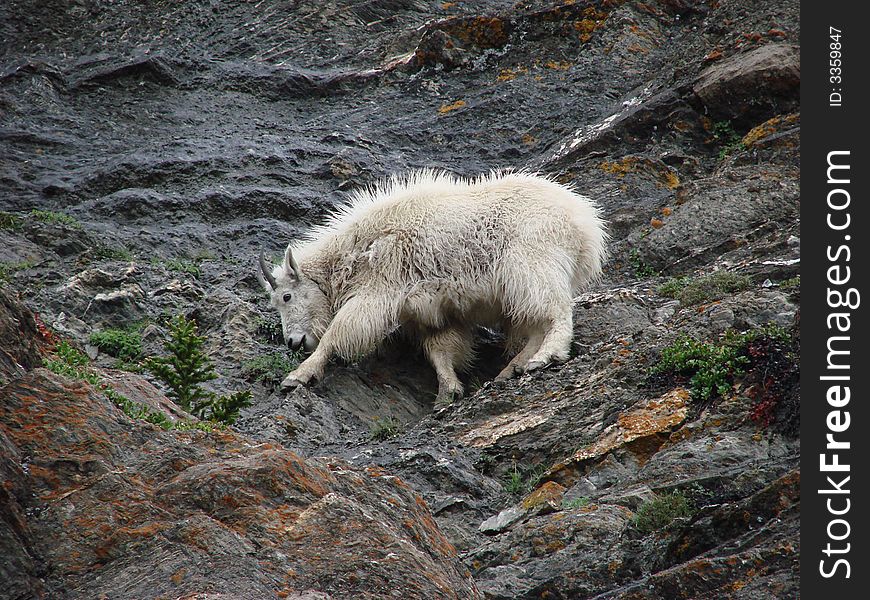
(651, 422)
(446, 108)
(549, 493)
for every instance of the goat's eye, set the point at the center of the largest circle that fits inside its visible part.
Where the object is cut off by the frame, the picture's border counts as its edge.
(287, 297)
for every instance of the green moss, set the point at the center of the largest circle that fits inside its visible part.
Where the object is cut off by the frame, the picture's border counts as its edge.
(661, 511)
(697, 290)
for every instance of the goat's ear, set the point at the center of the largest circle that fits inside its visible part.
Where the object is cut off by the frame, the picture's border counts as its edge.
(264, 274)
(291, 267)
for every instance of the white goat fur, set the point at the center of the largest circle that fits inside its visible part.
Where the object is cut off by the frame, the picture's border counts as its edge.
(437, 255)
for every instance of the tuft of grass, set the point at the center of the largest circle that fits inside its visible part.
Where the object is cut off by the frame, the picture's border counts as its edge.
(104, 252)
(790, 285)
(187, 267)
(697, 290)
(270, 369)
(9, 221)
(521, 481)
(55, 218)
(9, 269)
(72, 363)
(123, 344)
(661, 511)
(383, 429)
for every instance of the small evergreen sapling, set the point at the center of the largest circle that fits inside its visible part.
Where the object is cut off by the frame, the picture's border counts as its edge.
(186, 367)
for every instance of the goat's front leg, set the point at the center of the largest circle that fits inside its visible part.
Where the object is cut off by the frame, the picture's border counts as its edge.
(357, 328)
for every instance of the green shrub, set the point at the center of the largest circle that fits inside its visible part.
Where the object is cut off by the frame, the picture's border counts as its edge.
(271, 368)
(72, 363)
(186, 367)
(697, 290)
(661, 511)
(385, 428)
(641, 269)
(123, 344)
(225, 409)
(726, 138)
(712, 367)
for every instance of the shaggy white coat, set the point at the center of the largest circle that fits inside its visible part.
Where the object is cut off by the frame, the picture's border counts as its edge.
(437, 255)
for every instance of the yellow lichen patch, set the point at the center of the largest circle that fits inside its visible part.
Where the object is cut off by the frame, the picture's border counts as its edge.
(767, 128)
(620, 168)
(558, 65)
(656, 223)
(447, 5)
(529, 140)
(483, 32)
(446, 108)
(550, 493)
(667, 210)
(592, 20)
(511, 73)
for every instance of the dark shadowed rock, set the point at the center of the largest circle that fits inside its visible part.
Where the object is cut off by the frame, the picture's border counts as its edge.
(731, 89)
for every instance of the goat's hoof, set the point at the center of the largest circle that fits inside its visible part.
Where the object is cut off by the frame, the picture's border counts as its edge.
(446, 397)
(293, 381)
(535, 365)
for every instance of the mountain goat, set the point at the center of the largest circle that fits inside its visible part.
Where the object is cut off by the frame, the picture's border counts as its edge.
(437, 255)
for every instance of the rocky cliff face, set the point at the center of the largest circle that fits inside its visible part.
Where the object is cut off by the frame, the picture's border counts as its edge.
(150, 151)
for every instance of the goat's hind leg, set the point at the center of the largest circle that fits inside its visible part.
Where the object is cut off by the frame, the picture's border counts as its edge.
(448, 349)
